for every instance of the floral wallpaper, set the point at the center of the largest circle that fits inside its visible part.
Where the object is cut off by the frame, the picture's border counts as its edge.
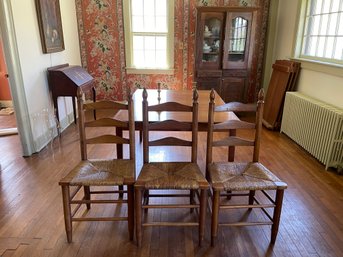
(101, 32)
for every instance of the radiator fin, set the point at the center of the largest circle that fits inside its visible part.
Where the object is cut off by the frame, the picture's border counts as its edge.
(316, 126)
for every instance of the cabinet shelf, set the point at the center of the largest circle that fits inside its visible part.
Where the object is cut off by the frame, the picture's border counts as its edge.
(211, 53)
(213, 37)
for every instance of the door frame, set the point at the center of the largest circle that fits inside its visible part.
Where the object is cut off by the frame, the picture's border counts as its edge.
(16, 81)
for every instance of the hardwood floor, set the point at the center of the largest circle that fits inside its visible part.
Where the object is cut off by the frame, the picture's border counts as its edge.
(31, 215)
(7, 121)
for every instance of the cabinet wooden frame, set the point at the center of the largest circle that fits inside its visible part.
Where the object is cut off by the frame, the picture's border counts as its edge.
(248, 68)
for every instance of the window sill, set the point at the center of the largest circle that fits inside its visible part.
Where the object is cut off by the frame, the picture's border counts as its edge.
(325, 67)
(150, 71)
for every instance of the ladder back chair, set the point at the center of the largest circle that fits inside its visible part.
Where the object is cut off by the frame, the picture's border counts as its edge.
(98, 174)
(170, 176)
(241, 178)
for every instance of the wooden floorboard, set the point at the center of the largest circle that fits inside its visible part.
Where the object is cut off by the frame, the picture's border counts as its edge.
(31, 215)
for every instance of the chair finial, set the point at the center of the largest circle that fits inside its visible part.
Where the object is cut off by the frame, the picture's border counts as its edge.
(194, 85)
(159, 92)
(128, 93)
(79, 93)
(145, 94)
(195, 95)
(212, 95)
(261, 96)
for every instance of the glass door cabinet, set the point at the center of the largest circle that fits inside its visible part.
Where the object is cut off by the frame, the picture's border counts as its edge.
(226, 59)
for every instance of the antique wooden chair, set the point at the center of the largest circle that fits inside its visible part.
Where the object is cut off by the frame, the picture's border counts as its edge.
(170, 177)
(100, 173)
(244, 178)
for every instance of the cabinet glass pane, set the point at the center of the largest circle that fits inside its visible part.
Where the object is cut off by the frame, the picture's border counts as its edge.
(211, 40)
(238, 38)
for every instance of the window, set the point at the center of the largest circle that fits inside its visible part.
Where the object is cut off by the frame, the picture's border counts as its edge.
(238, 37)
(322, 34)
(149, 35)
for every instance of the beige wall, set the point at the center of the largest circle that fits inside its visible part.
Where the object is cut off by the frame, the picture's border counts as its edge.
(34, 63)
(312, 81)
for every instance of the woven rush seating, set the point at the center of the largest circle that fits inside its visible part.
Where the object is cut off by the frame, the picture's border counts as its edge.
(178, 175)
(241, 179)
(94, 176)
(172, 176)
(242, 176)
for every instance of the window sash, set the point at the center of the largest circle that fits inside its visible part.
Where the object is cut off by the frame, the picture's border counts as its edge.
(158, 63)
(322, 37)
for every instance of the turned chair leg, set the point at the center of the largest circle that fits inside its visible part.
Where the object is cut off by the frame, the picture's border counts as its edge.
(138, 206)
(215, 213)
(87, 192)
(121, 193)
(146, 199)
(277, 214)
(202, 216)
(130, 210)
(228, 196)
(191, 199)
(67, 212)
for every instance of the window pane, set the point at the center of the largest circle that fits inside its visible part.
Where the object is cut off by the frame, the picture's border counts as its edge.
(324, 24)
(149, 33)
(149, 23)
(149, 7)
(339, 49)
(138, 43)
(137, 23)
(308, 25)
(161, 24)
(161, 60)
(137, 7)
(321, 45)
(161, 43)
(315, 28)
(150, 59)
(149, 43)
(329, 47)
(138, 58)
(335, 5)
(333, 24)
(311, 46)
(318, 8)
(326, 7)
(323, 31)
(340, 30)
(161, 7)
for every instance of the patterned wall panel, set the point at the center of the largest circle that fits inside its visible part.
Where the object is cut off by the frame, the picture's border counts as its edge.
(102, 43)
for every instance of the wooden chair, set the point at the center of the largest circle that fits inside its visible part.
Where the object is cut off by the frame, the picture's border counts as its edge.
(172, 176)
(241, 178)
(100, 173)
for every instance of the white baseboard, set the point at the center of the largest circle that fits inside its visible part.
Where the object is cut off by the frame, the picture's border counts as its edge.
(51, 133)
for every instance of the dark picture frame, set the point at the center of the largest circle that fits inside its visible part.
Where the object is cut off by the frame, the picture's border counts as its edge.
(50, 25)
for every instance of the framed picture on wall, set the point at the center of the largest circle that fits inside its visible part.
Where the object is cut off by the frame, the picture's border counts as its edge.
(50, 25)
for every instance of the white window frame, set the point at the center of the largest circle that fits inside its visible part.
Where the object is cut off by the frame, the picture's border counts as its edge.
(130, 69)
(327, 65)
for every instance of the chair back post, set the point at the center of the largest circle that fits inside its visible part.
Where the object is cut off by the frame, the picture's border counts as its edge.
(210, 130)
(131, 125)
(195, 126)
(145, 127)
(259, 115)
(81, 112)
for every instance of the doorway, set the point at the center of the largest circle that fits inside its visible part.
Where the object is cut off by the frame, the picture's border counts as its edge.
(7, 32)
(7, 117)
